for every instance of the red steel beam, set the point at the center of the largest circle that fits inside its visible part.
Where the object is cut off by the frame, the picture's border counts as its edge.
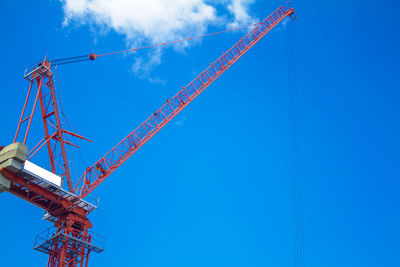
(99, 171)
(41, 79)
(40, 196)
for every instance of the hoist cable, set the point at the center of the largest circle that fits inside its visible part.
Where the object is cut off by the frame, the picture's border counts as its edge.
(295, 157)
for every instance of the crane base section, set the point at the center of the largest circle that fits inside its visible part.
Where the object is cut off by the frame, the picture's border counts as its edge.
(70, 242)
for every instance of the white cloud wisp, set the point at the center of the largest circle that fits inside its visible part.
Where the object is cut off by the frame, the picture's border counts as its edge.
(154, 21)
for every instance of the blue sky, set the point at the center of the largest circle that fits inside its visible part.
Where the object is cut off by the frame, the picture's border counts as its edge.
(213, 187)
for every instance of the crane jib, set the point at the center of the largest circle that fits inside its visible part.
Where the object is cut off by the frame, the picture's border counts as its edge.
(99, 171)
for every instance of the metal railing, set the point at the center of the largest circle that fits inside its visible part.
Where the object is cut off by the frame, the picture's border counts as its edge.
(46, 239)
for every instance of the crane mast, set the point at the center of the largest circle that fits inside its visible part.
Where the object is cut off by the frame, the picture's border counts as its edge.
(99, 171)
(70, 242)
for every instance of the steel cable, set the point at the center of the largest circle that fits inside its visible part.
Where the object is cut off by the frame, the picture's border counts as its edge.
(92, 56)
(295, 153)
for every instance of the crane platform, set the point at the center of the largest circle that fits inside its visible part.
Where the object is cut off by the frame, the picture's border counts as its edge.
(37, 69)
(13, 159)
(46, 240)
(88, 205)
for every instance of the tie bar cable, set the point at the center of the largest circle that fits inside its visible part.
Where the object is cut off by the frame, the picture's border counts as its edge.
(92, 56)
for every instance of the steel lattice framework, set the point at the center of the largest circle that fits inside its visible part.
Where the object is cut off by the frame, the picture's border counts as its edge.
(41, 80)
(70, 242)
(99, 171)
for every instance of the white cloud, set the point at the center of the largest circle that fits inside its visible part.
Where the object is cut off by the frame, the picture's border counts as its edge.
(239, 9)
(154, 21)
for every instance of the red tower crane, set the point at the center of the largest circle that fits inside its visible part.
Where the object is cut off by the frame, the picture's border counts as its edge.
(70, 242)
